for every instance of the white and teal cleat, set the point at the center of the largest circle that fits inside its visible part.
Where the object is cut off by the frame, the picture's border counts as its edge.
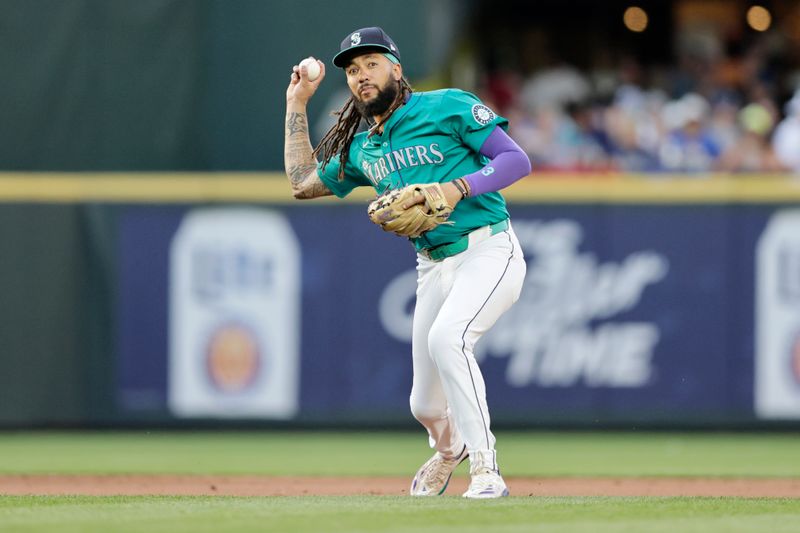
(432, 477)
(486, 484)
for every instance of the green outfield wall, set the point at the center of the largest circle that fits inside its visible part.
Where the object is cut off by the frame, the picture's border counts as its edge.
(181, 84)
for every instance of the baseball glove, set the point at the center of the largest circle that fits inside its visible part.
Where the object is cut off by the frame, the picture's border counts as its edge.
(387, 210)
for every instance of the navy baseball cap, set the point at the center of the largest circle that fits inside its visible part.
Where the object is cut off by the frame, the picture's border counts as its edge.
(361, 41)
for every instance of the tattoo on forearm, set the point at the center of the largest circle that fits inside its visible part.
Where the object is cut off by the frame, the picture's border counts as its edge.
(299, 158)
(296, 123)
(298, 173)
(297, 153)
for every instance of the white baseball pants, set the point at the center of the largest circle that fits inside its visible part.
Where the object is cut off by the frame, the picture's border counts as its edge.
(458, 299)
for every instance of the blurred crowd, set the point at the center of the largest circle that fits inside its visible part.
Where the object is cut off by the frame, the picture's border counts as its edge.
(697, 117)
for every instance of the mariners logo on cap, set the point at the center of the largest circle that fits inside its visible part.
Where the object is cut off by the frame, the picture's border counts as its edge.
(355, 38)
(482, 114)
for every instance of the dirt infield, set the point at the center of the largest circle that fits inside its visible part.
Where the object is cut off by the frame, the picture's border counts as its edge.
(299, 486)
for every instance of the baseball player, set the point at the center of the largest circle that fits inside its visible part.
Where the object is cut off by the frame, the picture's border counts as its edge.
(436, 160)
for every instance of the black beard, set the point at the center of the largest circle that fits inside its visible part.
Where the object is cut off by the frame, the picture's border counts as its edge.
(381, 103)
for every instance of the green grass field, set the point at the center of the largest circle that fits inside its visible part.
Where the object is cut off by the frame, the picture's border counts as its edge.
(396, 454)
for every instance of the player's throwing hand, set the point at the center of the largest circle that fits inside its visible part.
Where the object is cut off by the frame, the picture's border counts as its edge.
(300, 88)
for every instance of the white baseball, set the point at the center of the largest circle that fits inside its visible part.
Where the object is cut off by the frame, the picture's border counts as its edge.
(312, 68)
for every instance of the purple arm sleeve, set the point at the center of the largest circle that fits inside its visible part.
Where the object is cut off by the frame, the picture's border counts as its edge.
(508, 164)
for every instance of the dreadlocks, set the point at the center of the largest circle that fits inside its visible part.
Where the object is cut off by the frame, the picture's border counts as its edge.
(340, 136)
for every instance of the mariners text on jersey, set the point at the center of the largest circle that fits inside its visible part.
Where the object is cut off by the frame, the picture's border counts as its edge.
(410, 156)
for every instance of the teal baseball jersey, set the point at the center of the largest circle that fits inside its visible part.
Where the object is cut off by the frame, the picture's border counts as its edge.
(435, 137)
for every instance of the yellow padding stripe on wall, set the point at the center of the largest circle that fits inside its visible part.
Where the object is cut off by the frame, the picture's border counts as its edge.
(272, 187)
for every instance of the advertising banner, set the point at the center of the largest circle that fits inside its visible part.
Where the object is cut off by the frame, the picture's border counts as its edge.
(629, 314)
(234, 315)
(777, 376)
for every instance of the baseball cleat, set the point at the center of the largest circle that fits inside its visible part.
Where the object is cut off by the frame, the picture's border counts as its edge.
(432, 477)
(485, 484)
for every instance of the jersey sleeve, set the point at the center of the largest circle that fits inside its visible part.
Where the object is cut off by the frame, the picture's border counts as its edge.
(469, 119)
(329, 175)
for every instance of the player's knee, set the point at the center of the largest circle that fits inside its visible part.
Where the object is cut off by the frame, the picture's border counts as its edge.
(425, 412)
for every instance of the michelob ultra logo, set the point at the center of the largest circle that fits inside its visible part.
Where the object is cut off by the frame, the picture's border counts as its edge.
(234, 315)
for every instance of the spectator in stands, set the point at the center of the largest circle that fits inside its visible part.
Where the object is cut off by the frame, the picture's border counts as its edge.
(723, 125)
(786, 141)
(688, 147)
(752, 151)
(554, 88)
(581, 143)
(633, 130)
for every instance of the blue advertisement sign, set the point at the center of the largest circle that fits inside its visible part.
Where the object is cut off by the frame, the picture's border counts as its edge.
(629, 314)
